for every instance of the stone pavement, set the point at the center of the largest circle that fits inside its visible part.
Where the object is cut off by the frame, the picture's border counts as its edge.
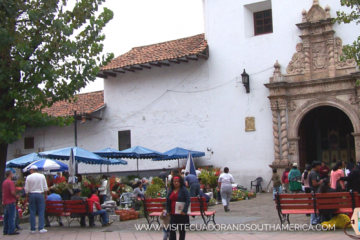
(257, 213)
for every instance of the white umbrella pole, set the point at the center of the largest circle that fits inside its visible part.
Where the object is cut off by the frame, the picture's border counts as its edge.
(137, 166)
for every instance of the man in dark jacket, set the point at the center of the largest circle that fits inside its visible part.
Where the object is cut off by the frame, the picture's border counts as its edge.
(353, 179)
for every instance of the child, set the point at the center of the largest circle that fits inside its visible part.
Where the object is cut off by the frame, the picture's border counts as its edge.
(166, 221)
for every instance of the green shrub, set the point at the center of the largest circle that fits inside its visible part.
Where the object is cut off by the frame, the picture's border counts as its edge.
(158, 181)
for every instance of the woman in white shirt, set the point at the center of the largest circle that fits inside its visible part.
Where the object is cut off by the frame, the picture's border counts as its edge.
(224, 183)
(103, 189)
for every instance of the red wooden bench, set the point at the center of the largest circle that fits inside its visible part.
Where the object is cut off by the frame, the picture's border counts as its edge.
(309, 203)
(70, 209)
(153, 208)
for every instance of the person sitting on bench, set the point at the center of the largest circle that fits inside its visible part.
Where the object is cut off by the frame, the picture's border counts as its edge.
(53, 197)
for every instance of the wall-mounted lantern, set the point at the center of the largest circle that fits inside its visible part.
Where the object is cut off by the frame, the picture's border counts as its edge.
(246, 81)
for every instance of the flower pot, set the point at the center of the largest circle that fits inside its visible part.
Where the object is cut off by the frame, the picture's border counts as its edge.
(136, 215)
(123, 217)
(118, 212)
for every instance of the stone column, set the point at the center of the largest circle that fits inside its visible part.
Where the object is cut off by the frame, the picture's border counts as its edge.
(274, 110)
(357, 146)
(283, 128)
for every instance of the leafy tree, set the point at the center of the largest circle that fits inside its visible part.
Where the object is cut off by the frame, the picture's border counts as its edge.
(49, 50)
(350, 51)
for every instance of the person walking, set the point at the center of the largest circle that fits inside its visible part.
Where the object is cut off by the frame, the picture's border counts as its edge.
(224, 183)
(192, 182)
(178, 194)
(35, 189)
(9, 201)
(294, 179)
(277, 188)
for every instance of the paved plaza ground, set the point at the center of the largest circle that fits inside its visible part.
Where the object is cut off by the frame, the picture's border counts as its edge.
(259, 211)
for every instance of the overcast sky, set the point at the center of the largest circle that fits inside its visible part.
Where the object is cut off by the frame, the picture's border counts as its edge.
(143, 22)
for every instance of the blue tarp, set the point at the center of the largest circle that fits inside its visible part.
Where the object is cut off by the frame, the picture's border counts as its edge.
(177, 153)
(23, 161)
(81, 155)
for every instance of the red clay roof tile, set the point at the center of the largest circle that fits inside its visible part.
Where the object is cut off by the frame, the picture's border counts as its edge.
(85, 103)
(160, 51)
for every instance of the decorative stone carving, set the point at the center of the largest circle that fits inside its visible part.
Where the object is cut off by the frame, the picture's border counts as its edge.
(282, 103)
(357, 142)
(249, 124)
(354, 99)
(341, 62)
(297, 63)
(292, 106)
(276, 136)
(316, 13)
(284, 140)
(273, 105)
(320, 56)
(317, 75)
(292, 148)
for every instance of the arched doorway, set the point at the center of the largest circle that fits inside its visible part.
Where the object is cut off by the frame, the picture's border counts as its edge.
(325, 134)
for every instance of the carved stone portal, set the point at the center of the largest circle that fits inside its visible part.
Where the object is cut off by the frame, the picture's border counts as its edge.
(249, 124)
(318, 74)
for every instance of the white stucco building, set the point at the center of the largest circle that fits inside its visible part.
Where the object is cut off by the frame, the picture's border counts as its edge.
(189, 93)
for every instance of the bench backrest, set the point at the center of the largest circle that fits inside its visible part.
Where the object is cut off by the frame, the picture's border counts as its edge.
(54, 206)
(321, 200)
(70, 206)
(155, 204)
(336, 200)
(75, 206)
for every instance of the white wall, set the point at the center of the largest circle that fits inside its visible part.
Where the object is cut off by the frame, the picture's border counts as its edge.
(200, 105)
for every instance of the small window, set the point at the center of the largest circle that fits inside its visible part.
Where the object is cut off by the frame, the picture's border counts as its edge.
(124, 139)
(263, 22)
(29, 143)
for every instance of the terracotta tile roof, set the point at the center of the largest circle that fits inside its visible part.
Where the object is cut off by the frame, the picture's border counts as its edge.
(85, 103)
(160, 51)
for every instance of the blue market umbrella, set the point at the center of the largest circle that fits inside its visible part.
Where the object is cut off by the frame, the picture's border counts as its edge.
(80, 155)
(10, 169)
(179, 153)
(108, 153)
(112, 155)
(140, 153)
(23, 161)
(48, 165)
